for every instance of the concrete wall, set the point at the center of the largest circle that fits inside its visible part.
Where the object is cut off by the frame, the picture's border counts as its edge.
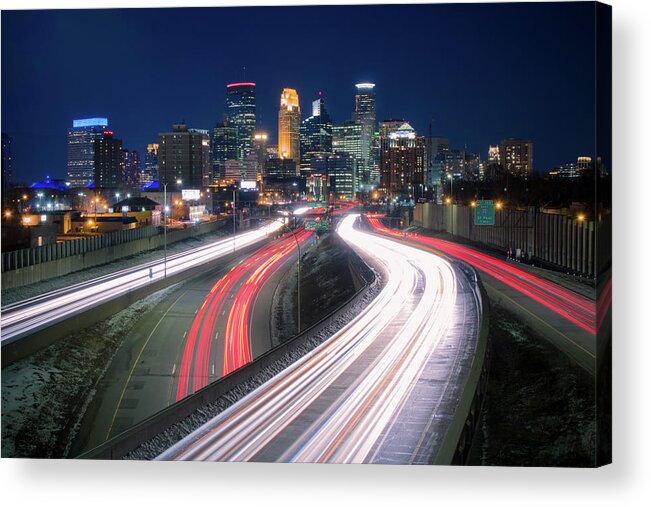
(32, 265)
(553, 240)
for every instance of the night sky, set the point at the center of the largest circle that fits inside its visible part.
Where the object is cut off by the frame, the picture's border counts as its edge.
(481, 72)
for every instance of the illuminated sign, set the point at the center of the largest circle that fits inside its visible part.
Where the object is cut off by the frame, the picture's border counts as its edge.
(90, 122)
(365, 85)
(190, 194)
(248, 185)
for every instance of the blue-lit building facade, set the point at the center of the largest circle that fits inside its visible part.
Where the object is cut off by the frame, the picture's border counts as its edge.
(241, 112)
(81, 150)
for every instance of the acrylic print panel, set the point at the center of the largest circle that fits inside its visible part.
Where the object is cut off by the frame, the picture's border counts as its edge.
(341, 234)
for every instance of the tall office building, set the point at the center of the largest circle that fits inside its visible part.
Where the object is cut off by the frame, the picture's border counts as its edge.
(107, 161)
(516, 156)
(184, 154)
(316, 134)
(339, 170)
(289, 126)
(131, 168)
(261, 149)
(347, 138)
(7, 166)
(150, 172)
(402, 162)
(224, 147)
(81, 149)
(365, 115)
(241, 111)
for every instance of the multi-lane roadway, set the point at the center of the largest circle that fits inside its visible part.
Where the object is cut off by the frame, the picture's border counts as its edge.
(200, 331)
(568, 319)
(382, 389)
(28, 316)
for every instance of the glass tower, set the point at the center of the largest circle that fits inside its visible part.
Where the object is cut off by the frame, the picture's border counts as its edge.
(241, 112)
(366, 117)
(316, 134)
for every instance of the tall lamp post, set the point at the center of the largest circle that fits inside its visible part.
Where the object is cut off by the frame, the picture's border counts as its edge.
(451, 178)
(298, 280)
(178, 182)
(233, 208)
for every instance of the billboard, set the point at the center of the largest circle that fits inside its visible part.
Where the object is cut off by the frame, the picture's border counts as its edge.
(190, 194)
(248, 185)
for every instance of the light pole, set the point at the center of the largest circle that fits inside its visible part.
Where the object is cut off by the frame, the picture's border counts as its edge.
(233, 207)
(178, 182)
(298, 280)
(451, 178)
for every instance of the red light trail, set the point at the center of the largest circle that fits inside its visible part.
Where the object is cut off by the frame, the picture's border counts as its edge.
(251, 273)
(577, 309)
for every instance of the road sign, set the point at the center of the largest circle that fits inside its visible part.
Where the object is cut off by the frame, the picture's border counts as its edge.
(484, 213)
(317, 224)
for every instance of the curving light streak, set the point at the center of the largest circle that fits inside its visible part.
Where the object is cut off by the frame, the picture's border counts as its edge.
(378, 357)
(244, 281)
(573, 307)
(23, 318)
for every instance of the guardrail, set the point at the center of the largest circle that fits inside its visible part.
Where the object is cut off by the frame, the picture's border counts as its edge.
(458, 438)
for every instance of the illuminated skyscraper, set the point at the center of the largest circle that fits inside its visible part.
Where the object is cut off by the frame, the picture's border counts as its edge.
(81, 149)
(224, 147)
(289, 126)
(131, 168)
(402, 162)
(241, 111)
(347, 138)
(150, 173)
(516, 156)
(316, 134)
(366, 117)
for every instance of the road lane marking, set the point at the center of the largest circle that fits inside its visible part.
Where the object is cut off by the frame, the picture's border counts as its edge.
(135, 363)
(541, 320)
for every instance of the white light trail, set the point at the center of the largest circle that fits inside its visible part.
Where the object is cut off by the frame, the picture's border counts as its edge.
(23, 318)
(371, 365)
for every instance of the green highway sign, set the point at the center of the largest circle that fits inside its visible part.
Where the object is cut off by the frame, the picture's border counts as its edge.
(484, 213)
(317, 224)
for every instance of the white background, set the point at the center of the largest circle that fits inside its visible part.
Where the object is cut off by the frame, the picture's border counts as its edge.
(626, 482)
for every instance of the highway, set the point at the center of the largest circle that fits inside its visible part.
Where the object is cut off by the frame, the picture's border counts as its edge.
(26, 317)
(381, 390)
(227, 311)
(566, 318)
(200, 331)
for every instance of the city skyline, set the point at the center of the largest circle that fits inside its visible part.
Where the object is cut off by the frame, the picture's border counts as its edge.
(472, 113)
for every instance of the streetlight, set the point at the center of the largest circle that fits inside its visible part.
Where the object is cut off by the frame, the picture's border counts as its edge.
(451, 186)
(233, 220)
(178, 182)
(298, 280)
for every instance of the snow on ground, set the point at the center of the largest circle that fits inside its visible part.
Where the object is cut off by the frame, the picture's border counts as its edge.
(44, 395)
(20, 293)
(176, 432)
